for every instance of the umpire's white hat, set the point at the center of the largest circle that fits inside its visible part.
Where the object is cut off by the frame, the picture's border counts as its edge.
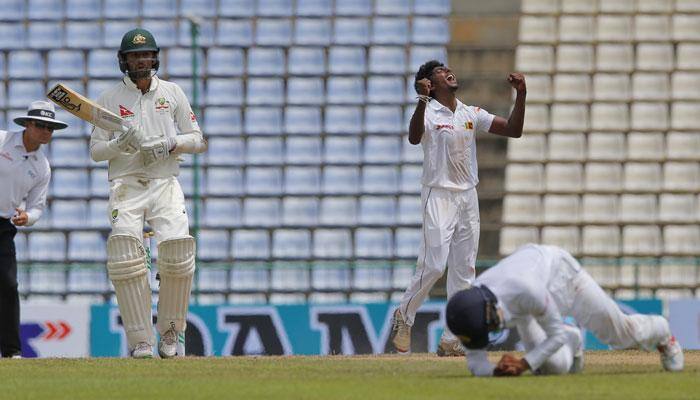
(41, 111)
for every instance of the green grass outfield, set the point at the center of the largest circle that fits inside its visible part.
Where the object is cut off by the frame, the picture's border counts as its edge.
(607, 375)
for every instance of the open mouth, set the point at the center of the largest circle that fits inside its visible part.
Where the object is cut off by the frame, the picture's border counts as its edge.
(451, 78)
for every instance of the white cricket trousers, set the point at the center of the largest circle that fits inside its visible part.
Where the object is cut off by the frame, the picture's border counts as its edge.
(450, 237)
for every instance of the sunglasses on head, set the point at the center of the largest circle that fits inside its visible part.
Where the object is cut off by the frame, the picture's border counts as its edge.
(43, 125)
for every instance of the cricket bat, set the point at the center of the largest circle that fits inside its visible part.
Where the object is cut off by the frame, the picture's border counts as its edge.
(86, 109)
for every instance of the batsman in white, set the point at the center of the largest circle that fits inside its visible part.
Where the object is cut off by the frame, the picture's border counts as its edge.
(143, 165)
(447, 128)
(532, 290)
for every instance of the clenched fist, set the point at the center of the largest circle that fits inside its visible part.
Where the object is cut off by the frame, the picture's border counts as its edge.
(423, 87)
(517, 81)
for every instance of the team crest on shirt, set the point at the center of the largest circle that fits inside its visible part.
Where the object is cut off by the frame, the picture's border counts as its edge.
(193, 118)
(115, 215)
(162, 105)
(469, 125)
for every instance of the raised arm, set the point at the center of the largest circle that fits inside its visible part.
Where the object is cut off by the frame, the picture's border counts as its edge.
(513, 127)
(417, 125)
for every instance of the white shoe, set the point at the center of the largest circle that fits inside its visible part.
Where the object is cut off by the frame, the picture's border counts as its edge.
(142, 350)
(16, 356)
(400, 333)
(167, 346)
(450, 348)
(671, 355)
(577, 365)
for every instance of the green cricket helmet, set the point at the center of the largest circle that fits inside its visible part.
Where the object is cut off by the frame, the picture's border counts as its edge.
(137, 40)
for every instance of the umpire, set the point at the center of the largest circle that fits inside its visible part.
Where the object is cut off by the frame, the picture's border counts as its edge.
(24, 179)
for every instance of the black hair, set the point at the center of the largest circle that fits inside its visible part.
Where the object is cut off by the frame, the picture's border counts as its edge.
(426, 70)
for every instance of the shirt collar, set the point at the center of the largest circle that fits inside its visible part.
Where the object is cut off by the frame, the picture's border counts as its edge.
(19, 143)
(131, 85)
(437, 106)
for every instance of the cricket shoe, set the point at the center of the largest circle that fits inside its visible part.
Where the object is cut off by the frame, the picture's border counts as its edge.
(400, 333)
(167, 346)
(577, 340)
(142, 350)
(671, 354)
(450, 348)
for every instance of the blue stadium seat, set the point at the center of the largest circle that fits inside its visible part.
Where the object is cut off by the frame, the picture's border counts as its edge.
(114, 9)
(358, 8)
(291, 243)
(345, 90)
(95, 87)
(430, 31)
(222, 121)
(236, 8)
(289, 278)
(76, 84)
(212, 245)
(98, 214)
(225, 151)
(382, 149)
(265, 91)
(84, 35)
(44, 35)
(164, 31)
(262, 212)
(100, 64)
(3, 120)
(25, 64)
(371, 277)
(46, 279)
(384, 119)
(351, 31)
(2, 69)
(421, 54)
(69, 214)
(186, 85)
(222, 213)
(306, 61)
(113, 31)
(266, 61)
(380, 179)
(225, 62)
(339, 149)
(314, 8)
(343, 119)
(66, 64)
(263, 120)
(393, 7)
(99, 182)
(303, 150)
(435, 7)
(264, 150)
(200, 8)
(385, 89)
(179, 61)
(411, 153)
(332, 243)
(387, 60)
(333, 277)
(83, 9)
(302, 120)
(345, 180)
(410, 209)
(69, 152)
(347, 60)
(299, 211)
(12, 35)
(223, 181)
(88, 280)
(87, 246)
(22, 93)
(159, 9)
(46, 246)
(186, 179)
(21, 252)
(410, 178)
(70, 183)
(224, 91)
(338, 211)
(370, 242)
(263, 181)
(206, 35)
(250, 244)
(43, 9)
(305, 91)
(274, 8)
(377, 210)
(302, 180)
(273, 32)
(390, 31)
(312, 31)
(234, 32)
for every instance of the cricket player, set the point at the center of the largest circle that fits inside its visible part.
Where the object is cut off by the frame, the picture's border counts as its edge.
(532, 290)
(143, 166)
(447, 128)
(24, 177)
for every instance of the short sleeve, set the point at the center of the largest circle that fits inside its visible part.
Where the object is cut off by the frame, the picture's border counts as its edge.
(483, 120)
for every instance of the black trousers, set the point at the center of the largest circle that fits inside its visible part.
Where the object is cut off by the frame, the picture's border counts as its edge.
(9, 296)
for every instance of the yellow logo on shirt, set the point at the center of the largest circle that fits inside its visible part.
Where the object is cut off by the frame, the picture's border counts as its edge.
(469, 125)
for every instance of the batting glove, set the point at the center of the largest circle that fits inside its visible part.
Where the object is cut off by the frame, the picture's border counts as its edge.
(129, 141)
(157, 150)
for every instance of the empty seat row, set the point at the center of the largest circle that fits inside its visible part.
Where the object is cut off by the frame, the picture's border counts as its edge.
(608, 7)
(632, 240)
(608, 57)
(603, 177)
(606, 146)
(609, 27)
(601, 208)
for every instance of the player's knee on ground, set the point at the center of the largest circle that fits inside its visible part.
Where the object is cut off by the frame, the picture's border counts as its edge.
(176, 267)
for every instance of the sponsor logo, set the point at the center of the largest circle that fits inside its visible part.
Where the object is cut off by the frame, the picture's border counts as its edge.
(48, 330)
(125, 112)
(469, 125)
(139, 39)
(193, 118)
(445, 126)
(61, 97)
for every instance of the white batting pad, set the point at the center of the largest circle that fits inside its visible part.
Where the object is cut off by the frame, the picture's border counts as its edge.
(126, 265)
(176, 268)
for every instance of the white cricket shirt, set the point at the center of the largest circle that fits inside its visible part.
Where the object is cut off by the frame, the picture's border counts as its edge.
(163, 111)
(24, 178)
(449, 145)
(532, 285)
